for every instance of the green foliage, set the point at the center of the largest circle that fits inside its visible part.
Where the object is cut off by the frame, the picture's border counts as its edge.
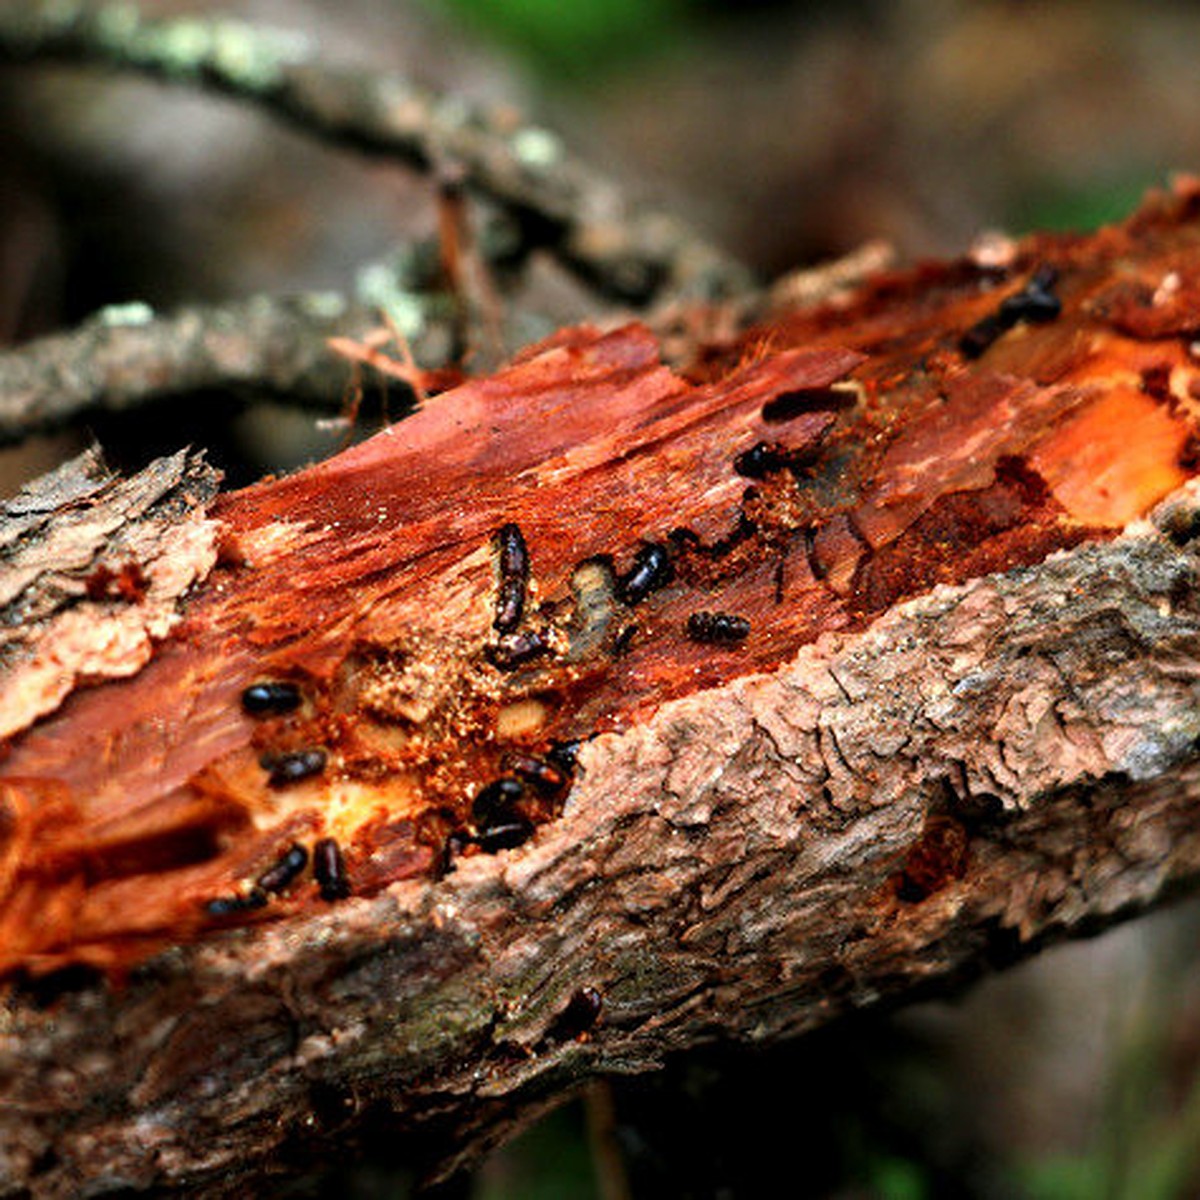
(898, 1179)
(548, 1162)
(1149, 1148)
(1055, 206)
(1064, 1178)
(577, 38)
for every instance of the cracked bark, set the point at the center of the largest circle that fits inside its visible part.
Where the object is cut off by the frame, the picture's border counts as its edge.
(968, 728)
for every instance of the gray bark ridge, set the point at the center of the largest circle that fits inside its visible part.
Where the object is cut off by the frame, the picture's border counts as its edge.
(92, 571)
(986, 768)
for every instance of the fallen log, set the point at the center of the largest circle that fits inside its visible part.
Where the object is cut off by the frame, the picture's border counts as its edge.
(597, 711)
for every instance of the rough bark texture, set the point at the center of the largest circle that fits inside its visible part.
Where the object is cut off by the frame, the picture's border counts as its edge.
(76, 541)
(125, 355)
(964, 722)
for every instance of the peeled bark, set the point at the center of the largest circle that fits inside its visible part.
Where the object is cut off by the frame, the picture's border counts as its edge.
(963, 721)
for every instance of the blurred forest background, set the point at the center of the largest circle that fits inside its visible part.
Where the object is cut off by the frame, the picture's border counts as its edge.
(789, 132)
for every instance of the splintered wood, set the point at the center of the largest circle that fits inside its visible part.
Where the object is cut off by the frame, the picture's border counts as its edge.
(392, 662)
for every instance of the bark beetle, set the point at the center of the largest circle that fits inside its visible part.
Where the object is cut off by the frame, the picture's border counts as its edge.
(964, 723)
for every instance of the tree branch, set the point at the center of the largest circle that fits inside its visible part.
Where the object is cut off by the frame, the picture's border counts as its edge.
(441, 797)
(625, 253)
(702, 880)
(127, 355)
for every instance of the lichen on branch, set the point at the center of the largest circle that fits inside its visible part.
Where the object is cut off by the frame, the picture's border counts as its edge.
(625, 252)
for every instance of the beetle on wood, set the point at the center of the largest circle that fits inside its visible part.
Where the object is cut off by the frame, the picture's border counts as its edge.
(292, 766)
(505, 834)
(329, 870)
(564, 754)
(499, 824)
(546, 777)
(495, 800)
(512, 650)
(228, 906)
(1035, 302)
(651, 570)
(277, 876)
(514, 577)
(269, 697)
(717, 628)
(760, 460)
(578, 1018)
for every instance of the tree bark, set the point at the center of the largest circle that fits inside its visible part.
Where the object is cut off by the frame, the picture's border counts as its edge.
(944, 529)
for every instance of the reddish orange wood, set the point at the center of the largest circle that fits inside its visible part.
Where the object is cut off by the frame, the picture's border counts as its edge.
(369, 580)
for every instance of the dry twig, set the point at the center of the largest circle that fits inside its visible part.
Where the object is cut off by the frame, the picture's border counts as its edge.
(624, 252)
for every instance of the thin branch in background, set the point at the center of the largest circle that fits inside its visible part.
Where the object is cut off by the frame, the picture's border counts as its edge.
(277, 346)
(127, 355)
(370, 351)
(465, 273)
(625, 253)
(612, 1179)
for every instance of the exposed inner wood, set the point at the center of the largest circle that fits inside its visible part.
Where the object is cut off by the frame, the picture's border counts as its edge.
(984, 769)
(830, 464)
